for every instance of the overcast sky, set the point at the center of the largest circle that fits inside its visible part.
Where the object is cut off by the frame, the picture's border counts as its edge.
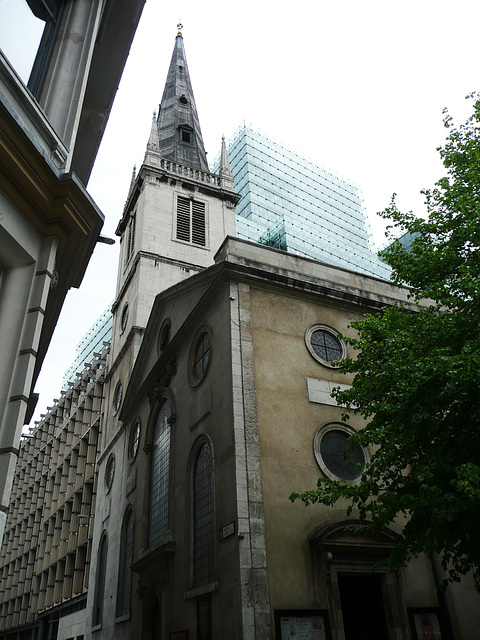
(357, 87)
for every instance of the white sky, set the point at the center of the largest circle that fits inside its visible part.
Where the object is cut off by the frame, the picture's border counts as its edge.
(358, 87)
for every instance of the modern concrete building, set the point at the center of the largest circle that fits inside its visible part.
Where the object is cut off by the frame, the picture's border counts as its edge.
(45, 558)
(293, 205)
(50, 131)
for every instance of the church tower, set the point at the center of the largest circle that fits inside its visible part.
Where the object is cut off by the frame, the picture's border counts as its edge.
(175, 218)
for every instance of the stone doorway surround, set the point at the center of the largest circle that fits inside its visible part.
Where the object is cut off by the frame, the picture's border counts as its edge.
(337, 551)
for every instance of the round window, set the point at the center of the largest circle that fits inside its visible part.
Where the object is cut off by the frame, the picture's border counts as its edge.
(124, 318)
(201, 356)
(331, 447)
(134, 441)
(118, 395)
(324, 344)
(110, 472)
(164, 335)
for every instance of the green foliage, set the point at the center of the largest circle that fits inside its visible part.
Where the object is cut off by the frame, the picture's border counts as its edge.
(417, 376)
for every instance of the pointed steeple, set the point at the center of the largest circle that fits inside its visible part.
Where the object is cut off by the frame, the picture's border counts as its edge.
(152, 144)
(224, 172)
(179, 134)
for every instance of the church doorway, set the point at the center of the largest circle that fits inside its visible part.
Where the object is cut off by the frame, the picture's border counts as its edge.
(363, 609)
(156, 621)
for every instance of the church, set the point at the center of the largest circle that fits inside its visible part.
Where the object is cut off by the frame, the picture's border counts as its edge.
(217, 406)
(152, 501)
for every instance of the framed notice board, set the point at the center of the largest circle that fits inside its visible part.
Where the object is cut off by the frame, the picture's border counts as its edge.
(302, 624)
(427, 624)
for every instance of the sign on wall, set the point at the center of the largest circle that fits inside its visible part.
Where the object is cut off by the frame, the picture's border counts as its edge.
(302, 625)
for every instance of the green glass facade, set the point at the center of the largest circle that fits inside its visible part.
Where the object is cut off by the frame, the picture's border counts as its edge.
(290, 204)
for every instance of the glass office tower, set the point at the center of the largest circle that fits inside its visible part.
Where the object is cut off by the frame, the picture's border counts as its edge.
(291, 204)
(96, 338)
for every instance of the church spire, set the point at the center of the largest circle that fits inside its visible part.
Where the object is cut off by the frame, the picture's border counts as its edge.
(178, 126)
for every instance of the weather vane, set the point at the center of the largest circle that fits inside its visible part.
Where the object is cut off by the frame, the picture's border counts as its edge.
(179, 27)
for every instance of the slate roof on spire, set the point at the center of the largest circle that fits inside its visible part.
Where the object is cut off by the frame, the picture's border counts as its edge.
(179, 134)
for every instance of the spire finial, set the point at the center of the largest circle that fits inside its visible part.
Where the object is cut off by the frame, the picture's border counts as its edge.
(179, 29)
(224, 172)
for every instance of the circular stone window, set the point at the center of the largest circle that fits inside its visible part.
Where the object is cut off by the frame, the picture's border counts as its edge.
(324, 344)
(163, 335)
(330, 446)
(124, 318)
(200, 356)
(117, 396)
(134, 441)
(110, 472)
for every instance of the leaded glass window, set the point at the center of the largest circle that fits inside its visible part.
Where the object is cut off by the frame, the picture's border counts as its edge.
(326, 345)
(100, 582)
(201, 356)
(339, 461)
(332, 451)
(159, 479)
(126, 559)
(203, 529)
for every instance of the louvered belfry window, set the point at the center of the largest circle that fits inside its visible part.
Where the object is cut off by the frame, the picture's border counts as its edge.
(191, 221)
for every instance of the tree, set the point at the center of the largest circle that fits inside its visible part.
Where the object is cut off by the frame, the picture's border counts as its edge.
(417, 376)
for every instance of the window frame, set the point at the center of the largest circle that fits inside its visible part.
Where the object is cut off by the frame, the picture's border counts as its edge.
(195, 379)
(164, 335)
(182, 202)
(125, 573)
(319, 435)
(130, 233)
(136, 427)
(124, 317)
(109, 477)
(99, 595)
(117, 403)
(154, 535)
(320, 326)
(196, 583)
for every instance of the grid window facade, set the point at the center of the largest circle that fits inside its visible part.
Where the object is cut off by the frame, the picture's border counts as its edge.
(126, 559)
(160, 475)
(191, 221)
(203, 529)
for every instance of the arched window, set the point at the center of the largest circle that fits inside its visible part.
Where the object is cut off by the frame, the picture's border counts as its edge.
(125, 571)
(159, 477)
(100, 582)
(203, 529)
